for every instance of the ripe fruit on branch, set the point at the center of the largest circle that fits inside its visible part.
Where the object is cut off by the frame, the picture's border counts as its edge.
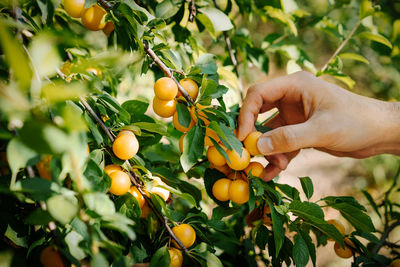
(139, 197)
(109, 28)
(165, 89)
(338, 225)
(50, 257)
(120, 183)
(395, 263)
(250, 143)
(239, 191)
(74, 8)
(179, 126)
(220, 189)
(215, 157)
(224, 169)
(112, 168)
(125, 146)
(236, 175)
(93, 18)
(343, 253)
(210, 133)
(190, 87)
(185, 233)
(125, 132)
(164, 108)
(43, 167)
(176, 257)
(238, 162)
(200, 114)
(145, 211)
(256, 169)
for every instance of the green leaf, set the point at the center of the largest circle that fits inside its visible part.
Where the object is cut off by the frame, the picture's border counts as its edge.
(37, 188)
(135, 107)
(99, 260)
(62, 208)
(300, 251)
(353, 56)
(16, 57)
(207, 64)
(38, 217)
(230, 138)
(184, 117)
(277, 228)
(15, 237)
(220, 212)
(376, 38)
(120, 223)
(128, 205)
(220, 21)
(152, 127)
(160, 258)
(73, 239)
(307, 186)
(99, 203)
(371, 202)
(355, 216)
(168, 8)
(262, 237)
(282, 17)
(288, 190)
(18, 155)
(193, 145)
(366, 9)
(349, 200)
(206, 23)
(310, 245)
(312, 214)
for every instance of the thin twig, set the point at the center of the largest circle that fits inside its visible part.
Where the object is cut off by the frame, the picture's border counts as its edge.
(167, 71)
(133, 176)
(385, 235)
(341, 46)
(192, 11)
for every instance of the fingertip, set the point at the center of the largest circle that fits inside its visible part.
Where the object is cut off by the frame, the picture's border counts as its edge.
(270, 172)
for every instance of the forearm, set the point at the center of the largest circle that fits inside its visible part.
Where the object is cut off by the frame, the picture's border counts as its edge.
(389, 128)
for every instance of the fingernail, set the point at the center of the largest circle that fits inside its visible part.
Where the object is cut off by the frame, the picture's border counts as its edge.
(264, 145)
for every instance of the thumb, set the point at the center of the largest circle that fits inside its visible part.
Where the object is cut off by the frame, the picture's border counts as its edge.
(287, 139)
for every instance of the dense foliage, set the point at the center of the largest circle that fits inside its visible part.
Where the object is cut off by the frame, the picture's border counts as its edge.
(63, 102)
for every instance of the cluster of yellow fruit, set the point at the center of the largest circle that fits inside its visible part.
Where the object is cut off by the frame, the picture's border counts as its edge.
(235, 187)
(93, 18)
(186, 234)
(347, 251)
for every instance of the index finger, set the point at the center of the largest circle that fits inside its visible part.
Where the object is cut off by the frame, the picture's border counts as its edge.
(262, 96)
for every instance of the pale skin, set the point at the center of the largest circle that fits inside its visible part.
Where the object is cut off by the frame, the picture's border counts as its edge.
(317, 114)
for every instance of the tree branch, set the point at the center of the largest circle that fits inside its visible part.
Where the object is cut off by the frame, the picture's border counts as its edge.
(133, 176)
(341, 46)
(385, 235)
(192, 11)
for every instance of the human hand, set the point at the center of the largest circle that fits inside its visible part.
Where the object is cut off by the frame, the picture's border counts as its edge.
(318, 114)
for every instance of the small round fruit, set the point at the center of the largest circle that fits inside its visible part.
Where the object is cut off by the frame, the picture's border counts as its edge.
(109, 28)
(256, 169)
(185, 233)
(200, 113)
(181, 142)
(239, 191)
(165, 89)
(236, 175)
(338, 225)
(43, 167)
(50, 257)
(92, 18)
(126, 146)
(74, 8)
(395, 263)
(250, 143)
(163, 108)
(112, 168)
(163, 193)
(176, 257)
(125, 132)
(120, 183)
(238, 162)
(210, 134)
(224, 169)
(139, 197)
(220, 189)
(190, 87)
(145, 211)
(343, 253)
(215, 157)
(179, 126)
